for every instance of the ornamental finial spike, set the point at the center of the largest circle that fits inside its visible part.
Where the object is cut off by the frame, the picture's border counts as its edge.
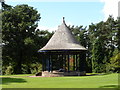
(63, 19)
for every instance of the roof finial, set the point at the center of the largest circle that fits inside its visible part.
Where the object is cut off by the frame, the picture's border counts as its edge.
(63, 19)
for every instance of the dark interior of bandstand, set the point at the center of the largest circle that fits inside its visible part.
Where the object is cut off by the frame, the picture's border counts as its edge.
(63, 61)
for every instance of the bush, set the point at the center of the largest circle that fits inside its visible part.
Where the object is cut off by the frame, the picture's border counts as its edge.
(9, 70)
(113, 65)
(35, 68)
(26, 69)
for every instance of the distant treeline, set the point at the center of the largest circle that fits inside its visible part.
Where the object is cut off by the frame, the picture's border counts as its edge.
(22, 41)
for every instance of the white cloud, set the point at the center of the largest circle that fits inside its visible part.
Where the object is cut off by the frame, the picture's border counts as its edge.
(110, 8)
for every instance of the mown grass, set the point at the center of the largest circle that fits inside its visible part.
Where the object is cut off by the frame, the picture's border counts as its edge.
(95, 81)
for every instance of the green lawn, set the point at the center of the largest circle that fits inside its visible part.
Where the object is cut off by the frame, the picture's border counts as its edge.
(96, 81)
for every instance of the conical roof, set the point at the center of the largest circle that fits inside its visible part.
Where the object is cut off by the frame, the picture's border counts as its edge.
(63, 39)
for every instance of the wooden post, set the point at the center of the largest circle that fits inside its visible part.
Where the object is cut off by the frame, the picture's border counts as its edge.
(43, 62)
(58, 61)
(76, 63)
(50, 62)
(62, 61)
(68, 63)
(65, 62)
(80, 60)
(73, 62)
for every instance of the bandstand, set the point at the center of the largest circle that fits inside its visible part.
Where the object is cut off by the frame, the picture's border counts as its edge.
(63, 55)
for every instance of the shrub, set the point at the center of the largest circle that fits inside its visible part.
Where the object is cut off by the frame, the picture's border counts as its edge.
(9, 70)
(35, 68)
(113, 65)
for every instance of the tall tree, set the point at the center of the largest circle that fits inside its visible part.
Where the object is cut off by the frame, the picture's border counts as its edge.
(102, 37)
(18, 29)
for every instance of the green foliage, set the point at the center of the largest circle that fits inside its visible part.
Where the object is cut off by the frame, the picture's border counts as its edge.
(26, 69)
(102, 43)
(35, 68)
(32, 68)
(28, 41)
(113, 65)
(9, 70)
(18, 34)
(97, 56)
(118, 33)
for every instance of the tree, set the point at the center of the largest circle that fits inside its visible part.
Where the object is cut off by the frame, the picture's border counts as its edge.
(118, 33)
(102, 43)
(18, 29)
(96, 49)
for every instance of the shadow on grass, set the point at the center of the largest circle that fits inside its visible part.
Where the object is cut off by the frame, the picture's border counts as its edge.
(8, 80)
(98, 74)
(117, 87)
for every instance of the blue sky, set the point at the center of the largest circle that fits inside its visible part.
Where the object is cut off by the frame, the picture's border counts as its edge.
(75, 13)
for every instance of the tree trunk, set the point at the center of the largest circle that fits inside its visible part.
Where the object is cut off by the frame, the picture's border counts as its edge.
(18, 67)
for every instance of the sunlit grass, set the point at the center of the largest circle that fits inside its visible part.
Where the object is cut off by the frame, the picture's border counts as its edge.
(95, 81)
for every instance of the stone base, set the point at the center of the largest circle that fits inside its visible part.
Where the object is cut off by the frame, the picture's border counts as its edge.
(61, 74)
